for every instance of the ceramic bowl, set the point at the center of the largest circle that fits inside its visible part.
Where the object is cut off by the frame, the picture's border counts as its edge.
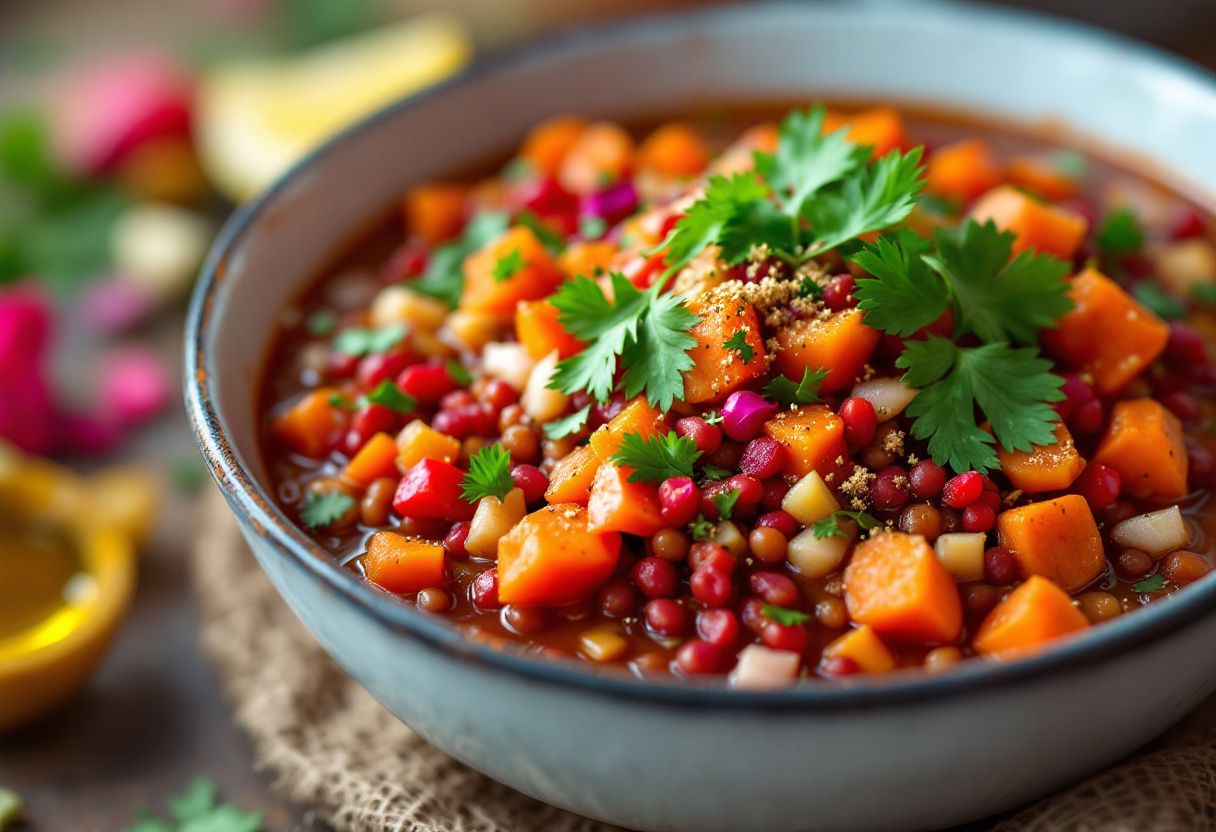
(908, 752)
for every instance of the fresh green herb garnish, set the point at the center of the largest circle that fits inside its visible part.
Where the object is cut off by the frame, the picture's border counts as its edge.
(701, 529)
(321, 323)
(591, 228)
(1120, 233)
(1160, 302)
(656, 458)
(714, 417)
(387, 394)
(444, 275)
(339, 401)
(1204, 293)
(725, 503)
(359, 341)
(568, 425)
(939, 205)
(784, 615)
(323, 509)
(808, 288)
(1153, 583)
(458, 372)
(738, 343)
(647, 331)
(1070, 163)
(198, 810)
(489, 474)
(830, 526)
(507, 266)
(713, 473)
(806, 391)
(551, 239)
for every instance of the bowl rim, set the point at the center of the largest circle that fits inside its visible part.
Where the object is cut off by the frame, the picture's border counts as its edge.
(254, 508)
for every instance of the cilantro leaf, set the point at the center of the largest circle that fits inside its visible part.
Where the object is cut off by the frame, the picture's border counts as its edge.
(830, 526)
(701, 529)
(1160, 302)
(735, 214)
(713, 473)
(458, 372)
(489, 474)
(784, 615)
(507, 266)
(359, 341)
(1204, 293)
(1153, 583)
(656, 458)
(197, 810)
(806, 391)
(591, 227)
(903, 295)
(1012, 387)
(1120, 233)
(738, 343)
(321, 323)
(725, 501)
(806, 159)
(324, 509)
(874, 197)
(657, 358)
(568, 425)
(389, 395)
(550, 238)
(444, 274)
(198, 797)
(996, 298)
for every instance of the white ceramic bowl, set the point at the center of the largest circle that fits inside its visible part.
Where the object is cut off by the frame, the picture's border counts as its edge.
(908, 752)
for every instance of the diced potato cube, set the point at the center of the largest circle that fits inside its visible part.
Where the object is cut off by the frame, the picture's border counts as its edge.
(472, 330)
(603, 643)
(509, 362)
(399, 305)
(810, 500)
(1186, 264)
(1158, 533)
(763, 668)
(888, 395)
(492, 520)
(816, 558)
(962, 553)
(727, 535)
(540, 402)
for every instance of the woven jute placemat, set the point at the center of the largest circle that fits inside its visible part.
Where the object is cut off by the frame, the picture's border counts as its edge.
(336, 749)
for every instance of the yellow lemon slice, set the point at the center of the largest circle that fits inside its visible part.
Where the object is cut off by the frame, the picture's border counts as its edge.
(67, 572)
(255, 119)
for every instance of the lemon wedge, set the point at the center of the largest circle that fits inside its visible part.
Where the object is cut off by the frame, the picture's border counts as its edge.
(256, 118)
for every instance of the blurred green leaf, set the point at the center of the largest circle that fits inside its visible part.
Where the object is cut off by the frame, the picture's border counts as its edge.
(311, 22)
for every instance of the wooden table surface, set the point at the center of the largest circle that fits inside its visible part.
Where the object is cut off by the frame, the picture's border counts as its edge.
(153, 717)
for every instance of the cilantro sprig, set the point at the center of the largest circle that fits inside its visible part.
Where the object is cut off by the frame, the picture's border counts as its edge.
(806, 391)
(657, 458)
(489, 474)
(784, 615)
(568, 425)
(738, 343)
(830, 526)
(323, 509)
(358, 341)
(507, 266)
(647, 332)
(198, 809)
(724, 502)
(444, 274)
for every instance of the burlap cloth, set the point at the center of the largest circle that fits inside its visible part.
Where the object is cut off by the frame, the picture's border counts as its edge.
(336, 749)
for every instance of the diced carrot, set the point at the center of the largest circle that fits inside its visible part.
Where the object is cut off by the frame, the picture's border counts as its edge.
(880, 127)
(813, 436)
(551, 557)
(402, 565)
(1041, 177)
(377, 458)
(1047, 228)
(720, 370)
(537, 328)
(962, 170)
(571, 478)
(864, 647)
(1108, 334)
(1057, 539)
(602, 154)
(418, 441)
(675, 150)
(1144, 444)
(740, 155)
(1045, 467)
(589, 259)
(549, 142)
(530, 273)
(639, 417)
(895, 583)
(618, 505)
(839, 343)
(1035, 613)
(436, 211)
(311, 425)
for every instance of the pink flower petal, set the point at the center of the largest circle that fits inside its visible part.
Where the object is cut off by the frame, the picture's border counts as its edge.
(112, 305)
(25, 330)
(133, 385)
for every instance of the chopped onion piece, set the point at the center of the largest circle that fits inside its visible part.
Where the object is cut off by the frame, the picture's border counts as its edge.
(1158, 533)
(763, 668)
(888, 395)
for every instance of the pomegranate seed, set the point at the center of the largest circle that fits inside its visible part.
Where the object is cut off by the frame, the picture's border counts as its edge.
(838, 666)
(484, 590)
(1099, 484)
(774, 494)
(709, 555)
(617, 599)
(1000, 566)
(1118, 511)
(604, 412)
(497, 394)
(762, 458)
(860, 421)
(426, 382)
(679, 499)
(408, 260)
(457, 399)
(792, 637)
(530, 480)
(978, 517)
(1088, 418)
(889, 490)
(775, 588)
(1182, 405)
(466, 420)
(727, 455)
(752, 614)
(698, 658)
(992, 499)
(711, 587)
(1076, 392)
(1188, 223)
(838, 294)
(341, 365)
(1185, 345)
(455, 538)
(372, 419)
(374, 369)
(1200, 466)
(780, 520)
(963, 489)
(750, 493)
(719, 627)
(705, 436)
(927, 479)
(665, 617)
(655, 577)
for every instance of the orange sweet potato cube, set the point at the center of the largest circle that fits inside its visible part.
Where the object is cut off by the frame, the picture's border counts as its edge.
(814, 437)
(1035, 613)
(1144, 443)
(1057, 539)
(1047, 228)
(839, 343)
(720, 370)
(551, 557)
(1045, 467)
(514, 267)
